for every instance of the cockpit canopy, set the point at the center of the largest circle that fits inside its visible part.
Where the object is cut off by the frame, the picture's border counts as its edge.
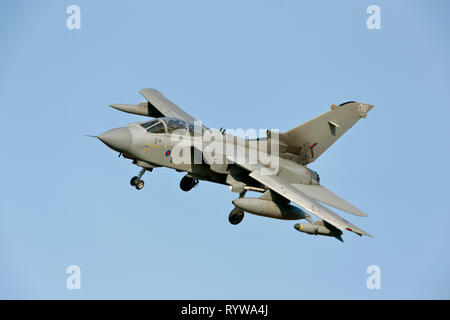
(169, 125)
(154, 126)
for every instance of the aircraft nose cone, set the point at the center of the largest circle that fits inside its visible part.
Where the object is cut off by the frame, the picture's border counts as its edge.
(119, 139)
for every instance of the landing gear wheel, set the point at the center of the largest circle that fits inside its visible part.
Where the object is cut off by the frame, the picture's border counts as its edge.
(187, 183)
(134, 180)
(139, 184)
(236, 217)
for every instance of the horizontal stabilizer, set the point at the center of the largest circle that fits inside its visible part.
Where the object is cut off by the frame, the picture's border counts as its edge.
(142, 109)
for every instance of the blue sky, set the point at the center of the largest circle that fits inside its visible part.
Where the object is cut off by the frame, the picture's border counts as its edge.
(254, 64)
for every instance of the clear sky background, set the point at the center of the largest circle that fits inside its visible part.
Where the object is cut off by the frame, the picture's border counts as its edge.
(66, 199)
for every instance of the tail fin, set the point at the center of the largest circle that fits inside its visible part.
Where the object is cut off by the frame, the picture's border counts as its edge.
(312, 138)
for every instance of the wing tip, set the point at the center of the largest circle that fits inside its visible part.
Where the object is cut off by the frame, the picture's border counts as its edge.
(358, 213)
(149, 90)
(359, 232)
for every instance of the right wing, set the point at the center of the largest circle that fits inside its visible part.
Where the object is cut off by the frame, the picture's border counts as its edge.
(161, 106)
(275, 183)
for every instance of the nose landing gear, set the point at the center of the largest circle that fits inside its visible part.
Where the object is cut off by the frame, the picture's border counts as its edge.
(136, 180)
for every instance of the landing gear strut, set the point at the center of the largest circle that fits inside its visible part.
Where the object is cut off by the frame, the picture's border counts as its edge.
(136, 180)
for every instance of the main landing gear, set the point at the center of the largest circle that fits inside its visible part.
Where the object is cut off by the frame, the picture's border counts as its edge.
(236, 216)
(187, 183)
(136, 180)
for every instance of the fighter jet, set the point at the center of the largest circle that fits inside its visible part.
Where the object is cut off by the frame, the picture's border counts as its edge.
(274, 165)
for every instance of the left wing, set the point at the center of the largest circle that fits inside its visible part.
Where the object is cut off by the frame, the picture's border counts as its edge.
(277, 184)
(162, 106)
(322, 194)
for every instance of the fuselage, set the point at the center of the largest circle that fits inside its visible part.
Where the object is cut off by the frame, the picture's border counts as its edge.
(203, 153)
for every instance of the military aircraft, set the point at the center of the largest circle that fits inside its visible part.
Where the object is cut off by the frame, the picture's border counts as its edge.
(278, 170)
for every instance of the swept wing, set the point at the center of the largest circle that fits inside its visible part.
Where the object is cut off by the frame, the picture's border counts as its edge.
(322, 194)
(161, 106)
(288, 191)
